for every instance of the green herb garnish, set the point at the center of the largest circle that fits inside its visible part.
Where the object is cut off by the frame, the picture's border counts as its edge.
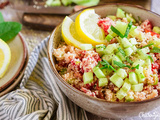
(155, 50)
(128, 29)
(121, 65)
(136, 67)
(151, 58)
(8, 29)
(106, 65)
(128, 60)
(148, 45)
(116, 31)
(121, 51)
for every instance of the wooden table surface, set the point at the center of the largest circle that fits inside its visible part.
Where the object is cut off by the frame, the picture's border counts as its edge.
(33, 37)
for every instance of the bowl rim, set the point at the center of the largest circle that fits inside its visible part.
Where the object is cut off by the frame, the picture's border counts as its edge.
(21, 65)
(78, 91)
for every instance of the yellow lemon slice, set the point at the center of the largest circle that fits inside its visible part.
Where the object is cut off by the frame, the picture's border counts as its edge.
(5, 57)
(69, 33)
(87, 27)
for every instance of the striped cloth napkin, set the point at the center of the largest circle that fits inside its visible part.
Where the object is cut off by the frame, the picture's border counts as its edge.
(39, 97)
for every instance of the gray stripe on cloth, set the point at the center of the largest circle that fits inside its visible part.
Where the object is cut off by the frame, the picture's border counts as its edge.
(38, 97)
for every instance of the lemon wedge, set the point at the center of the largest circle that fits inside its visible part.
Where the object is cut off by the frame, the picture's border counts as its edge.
(5, 57)
(69, 33)
(87, 27)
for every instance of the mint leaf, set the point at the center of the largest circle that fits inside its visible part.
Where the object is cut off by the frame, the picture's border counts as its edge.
(128, 29)
(9, 30)
(1, 18)
(106, 65)
(155, 50)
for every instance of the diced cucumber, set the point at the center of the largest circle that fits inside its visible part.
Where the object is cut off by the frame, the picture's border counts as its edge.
(109, 37)
(120, 13)
(87, 77)
(115, 58)
(103, 82)
(128, 51)
(110, 48)
(98, 72)
(134, 48)
(144, 50)
(138, 87)
(53, 3)
(112, 17)
(140, 74)
(108, 57)
(155, 78)
(126, 86)
(125, 42)
(156, 42)
(133, 41)
(118, 81)
(121, 94)
(121, 72)
(107, 71)
(86, 46)
(156, 29)
(120, 56)
(130, 18)
(129, 97)
(148, 64)
(133, 78)
(100, 49)
(138, 34)
(139, 61)
(121, 27)
(89, 2)
(111, 33)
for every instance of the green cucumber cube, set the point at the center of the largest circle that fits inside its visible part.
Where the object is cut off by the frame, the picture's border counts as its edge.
(125, 42)
(137, 88)
(107, 71)
(112, 17)
(121, 27)
(128, 51)
(133, 41)
(121, 72)
(140, 74)
(134, 48)
(86, 46)
(138, 61)
(156, 29)
(121, 94)
(148, 63)
(109, 37)
(66, 2)
(111, 33)
(120, 13)
(144, 50)
(116, 58)
(98, 72)
(120, 56)
(118, 81)
(108, 57)
(87, 77)
(102, 82)
(126, 86)
(130, 18)
(133, 78)
(110, 48)
(100, 49)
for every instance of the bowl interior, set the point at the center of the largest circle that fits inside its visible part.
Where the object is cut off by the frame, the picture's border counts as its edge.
(109, 110)
(18, 55)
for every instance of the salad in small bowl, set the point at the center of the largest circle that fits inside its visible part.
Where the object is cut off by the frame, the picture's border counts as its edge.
(107, 57)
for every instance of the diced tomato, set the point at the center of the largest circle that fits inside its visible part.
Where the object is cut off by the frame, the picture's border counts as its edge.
(105, 23)
(146, 25)
(153, 33)
(155, 66)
